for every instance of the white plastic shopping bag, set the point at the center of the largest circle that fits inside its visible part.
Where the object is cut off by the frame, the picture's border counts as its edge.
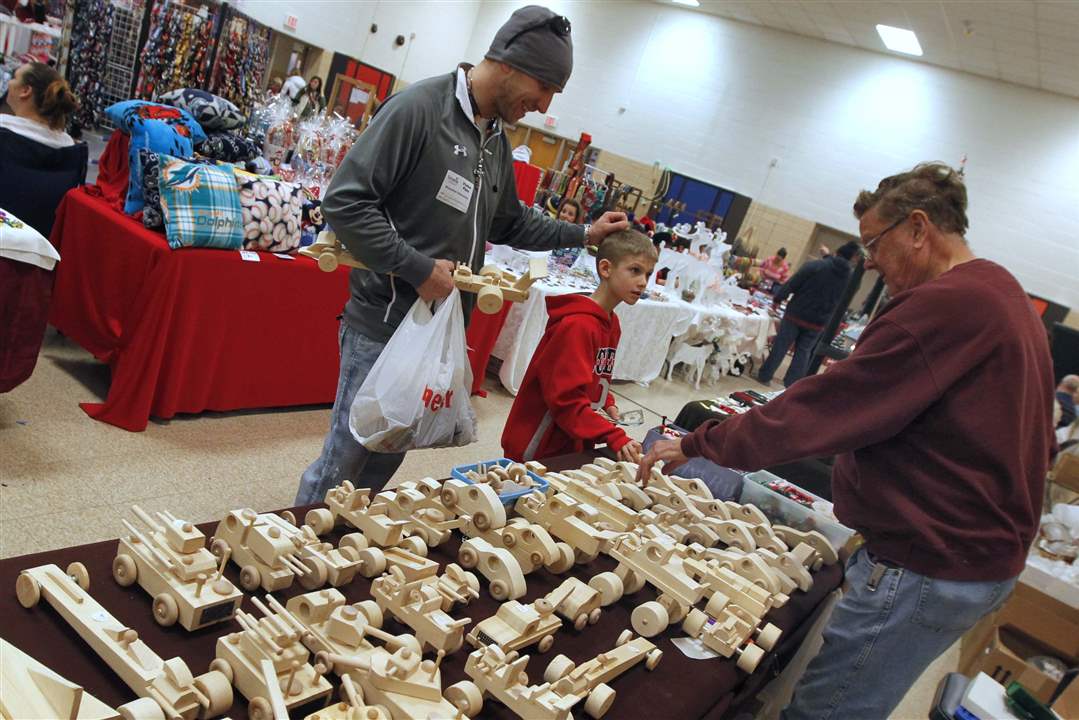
(417, 393)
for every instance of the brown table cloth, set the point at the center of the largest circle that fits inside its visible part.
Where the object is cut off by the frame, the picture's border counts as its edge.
(678, 688)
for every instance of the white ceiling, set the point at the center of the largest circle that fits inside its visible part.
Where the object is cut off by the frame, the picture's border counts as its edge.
(1027, 42)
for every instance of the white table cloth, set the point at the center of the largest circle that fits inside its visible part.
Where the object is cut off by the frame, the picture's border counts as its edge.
(647, 330)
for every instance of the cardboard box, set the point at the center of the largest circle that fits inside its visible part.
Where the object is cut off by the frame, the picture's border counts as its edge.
(1030, 623)
(1067, 705)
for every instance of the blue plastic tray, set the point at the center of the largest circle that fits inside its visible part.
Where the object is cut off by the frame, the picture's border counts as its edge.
(508, 498)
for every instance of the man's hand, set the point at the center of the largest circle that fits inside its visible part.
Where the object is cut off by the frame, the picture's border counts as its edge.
(613, 413)
(607, 223)
(630, 452)
(439, 284)
(669, 451)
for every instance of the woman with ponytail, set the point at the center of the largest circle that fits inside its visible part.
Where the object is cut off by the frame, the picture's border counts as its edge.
(42, 102)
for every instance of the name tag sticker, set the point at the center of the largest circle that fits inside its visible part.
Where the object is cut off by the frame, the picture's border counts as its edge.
(455, 191)
(250, 256)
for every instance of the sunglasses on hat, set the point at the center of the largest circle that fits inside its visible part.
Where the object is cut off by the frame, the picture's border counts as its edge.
(559, 25)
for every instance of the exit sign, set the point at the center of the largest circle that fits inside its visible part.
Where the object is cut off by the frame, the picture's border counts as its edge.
(291, 21)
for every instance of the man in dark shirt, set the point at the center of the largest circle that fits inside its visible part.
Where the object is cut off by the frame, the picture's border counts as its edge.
(941, 421)
(817, 288)
(1067, 391)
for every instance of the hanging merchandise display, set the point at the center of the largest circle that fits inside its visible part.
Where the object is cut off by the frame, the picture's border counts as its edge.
(91, 29)
(243, 52)
(178, 49)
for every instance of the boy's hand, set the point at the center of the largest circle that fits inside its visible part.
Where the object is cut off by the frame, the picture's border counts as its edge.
(607, 223)
(630, 452)
(669, 451)
(613, 413)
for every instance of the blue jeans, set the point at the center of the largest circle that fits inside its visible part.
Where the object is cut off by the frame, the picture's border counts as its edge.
(342, 457)
(803, 340)
(878, 641)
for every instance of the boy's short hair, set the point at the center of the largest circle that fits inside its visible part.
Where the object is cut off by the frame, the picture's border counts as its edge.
(623, 244)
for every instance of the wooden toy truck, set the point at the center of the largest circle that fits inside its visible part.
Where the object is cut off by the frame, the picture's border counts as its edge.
(169, 560)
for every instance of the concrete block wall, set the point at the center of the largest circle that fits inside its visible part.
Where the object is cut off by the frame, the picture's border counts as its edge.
(774, 228)
(634, 172)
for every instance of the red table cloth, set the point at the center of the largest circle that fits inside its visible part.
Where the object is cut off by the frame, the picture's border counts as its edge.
(194, 329)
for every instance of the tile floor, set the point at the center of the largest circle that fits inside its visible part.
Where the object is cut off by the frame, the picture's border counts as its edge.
(66, 479)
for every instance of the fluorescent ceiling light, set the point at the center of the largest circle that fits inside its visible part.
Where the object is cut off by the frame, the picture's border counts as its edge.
(899, 40)
(691, 3)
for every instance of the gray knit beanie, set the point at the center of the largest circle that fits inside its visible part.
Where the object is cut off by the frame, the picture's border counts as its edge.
(537, 42)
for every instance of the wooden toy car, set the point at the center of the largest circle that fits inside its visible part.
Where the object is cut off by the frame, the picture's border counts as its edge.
(261, 547)
(494, 286)
(498, 565)
(329, 253)
(732, 633)
(569, 520)
(267, 662)
(353, 506)
(419, 605)
(516, 625)
(351, 707)
(170, 562)
(166, 688)
(579, 603)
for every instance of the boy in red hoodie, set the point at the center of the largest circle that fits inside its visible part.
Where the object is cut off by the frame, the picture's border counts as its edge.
(568, 382)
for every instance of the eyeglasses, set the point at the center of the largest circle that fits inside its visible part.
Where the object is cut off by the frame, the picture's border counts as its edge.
(868, 244)
(559, 25)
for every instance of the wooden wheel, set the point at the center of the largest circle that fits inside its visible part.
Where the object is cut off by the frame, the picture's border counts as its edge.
(219, 547)
(749, 658)
(221, 666)
(580, 622)
(694, 623)
(320, 520)
(631, 581)
(372, 562)
(259, 708)
(288, 516)
(623, 637)
(466, 697)
(27, 590)
(481, 521)
(649, 619)
(415, 545)
(599, 701)
(594, 616)
(141, 709)
(564, 561)
(545, 643)
(124, 571)
(468, 557)
(250, 578)
(356, 541)
(371, 611)
(768, 636)
(653, 659)
(316, 575)
(327, 261)
(78, 572)
(499, 590)
(166, 613)
(448, 496)
(218, 690)
(609, 586)
(558, 668)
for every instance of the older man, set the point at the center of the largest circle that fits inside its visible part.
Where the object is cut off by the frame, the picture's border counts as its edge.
(426, 186)
(942, 423)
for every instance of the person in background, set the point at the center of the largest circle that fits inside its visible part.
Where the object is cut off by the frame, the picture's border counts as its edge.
(42, 102)
(391, 209)
(1067, 395)
(941, 420)
(817, 287)
(312, 102)
(274, 88)
(293, 88)
(570, 211)
(776, 268)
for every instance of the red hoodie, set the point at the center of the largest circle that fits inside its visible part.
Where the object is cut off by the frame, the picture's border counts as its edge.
(567, 384)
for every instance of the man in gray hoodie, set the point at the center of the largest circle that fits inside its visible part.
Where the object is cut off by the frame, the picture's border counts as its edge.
(426, 186)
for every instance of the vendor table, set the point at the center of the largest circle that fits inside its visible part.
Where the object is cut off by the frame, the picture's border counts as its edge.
(647, 330)
(678, 688)
(194, 329)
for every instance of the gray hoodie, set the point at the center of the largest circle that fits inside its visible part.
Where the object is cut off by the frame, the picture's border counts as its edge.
(383, 202)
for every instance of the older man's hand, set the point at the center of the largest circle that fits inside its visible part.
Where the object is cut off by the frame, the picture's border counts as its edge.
(669, 451)
(607, 223)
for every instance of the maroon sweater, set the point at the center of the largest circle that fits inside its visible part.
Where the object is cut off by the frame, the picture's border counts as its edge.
(941, 420)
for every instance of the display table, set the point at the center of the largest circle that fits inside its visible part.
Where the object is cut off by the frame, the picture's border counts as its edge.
(190, 330)
(647, 330)
(678, 688)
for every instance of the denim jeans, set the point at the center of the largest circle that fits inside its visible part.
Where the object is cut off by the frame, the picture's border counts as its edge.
(803, 340)
(878, 641)
(342, 457)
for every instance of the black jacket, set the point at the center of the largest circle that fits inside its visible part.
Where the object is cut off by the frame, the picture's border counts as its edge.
(817, 287)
